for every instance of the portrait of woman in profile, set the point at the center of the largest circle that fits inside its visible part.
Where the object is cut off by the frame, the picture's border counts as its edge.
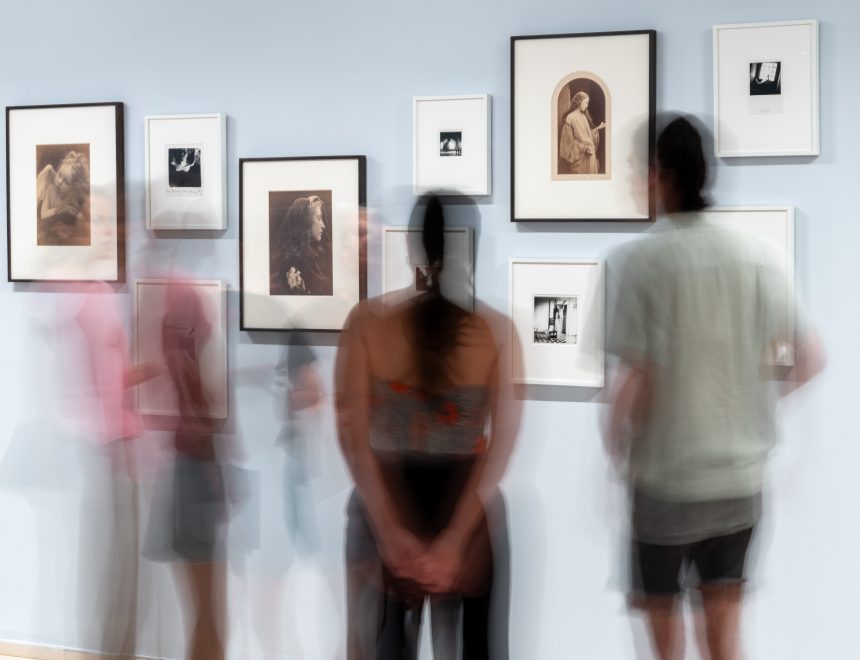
(580, 138)
(301, 251)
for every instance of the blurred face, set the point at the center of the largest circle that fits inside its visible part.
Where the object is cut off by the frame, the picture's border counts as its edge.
(583, 105)
(63, 180)
(317, 224)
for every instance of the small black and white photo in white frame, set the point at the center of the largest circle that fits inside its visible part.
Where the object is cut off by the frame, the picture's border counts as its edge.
(184, 169)
(451, 143)
(556, 320)
(423, 278)
(765, 78)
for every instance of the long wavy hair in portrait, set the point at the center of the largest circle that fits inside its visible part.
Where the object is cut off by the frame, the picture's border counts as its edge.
(300, 243)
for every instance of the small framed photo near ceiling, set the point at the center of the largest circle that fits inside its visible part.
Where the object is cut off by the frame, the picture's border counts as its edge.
(186, 172)
(451, 144)
(183, 325)
(405, 271)
(556, 307)
(766, 89)
(582, 126)
(64, 193)
(302, 242)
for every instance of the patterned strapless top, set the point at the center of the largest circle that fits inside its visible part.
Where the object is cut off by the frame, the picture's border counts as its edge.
(404, 420)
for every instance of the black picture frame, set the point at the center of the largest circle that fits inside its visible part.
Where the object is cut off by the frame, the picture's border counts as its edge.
(555, 177)
(283, 288)
(50, 230)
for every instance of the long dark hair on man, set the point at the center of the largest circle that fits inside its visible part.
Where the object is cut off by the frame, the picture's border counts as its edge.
(436, 322)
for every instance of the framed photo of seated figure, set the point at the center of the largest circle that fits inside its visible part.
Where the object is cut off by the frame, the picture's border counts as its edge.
(582, 126)
(65, 192)
(405, 270)
(186, 172)
(556, 307)
(766, 89)
(181, 324)
(302, 242)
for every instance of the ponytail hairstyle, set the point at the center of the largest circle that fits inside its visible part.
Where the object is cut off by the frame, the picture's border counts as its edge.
(435, 321)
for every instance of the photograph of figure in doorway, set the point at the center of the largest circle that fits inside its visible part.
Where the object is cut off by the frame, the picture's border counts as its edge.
(582, 141)
(63, 194)
(300, 243)
(555, 320)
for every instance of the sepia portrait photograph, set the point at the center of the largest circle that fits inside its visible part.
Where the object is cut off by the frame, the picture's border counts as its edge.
(581, 138)
(451, 143)
(555, 320)
(63, 194)
(184, 169)
(300, 243)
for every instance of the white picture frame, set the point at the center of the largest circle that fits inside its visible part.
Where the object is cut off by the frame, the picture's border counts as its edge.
(186, 171)
(572, 293)
(773, 225)
(157, 396)
(402, 262)
(766, 90)
(462, 122)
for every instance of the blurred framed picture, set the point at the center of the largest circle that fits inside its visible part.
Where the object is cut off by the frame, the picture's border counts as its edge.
(186, 172)
(405, 271)
(773, 225)
(766, 89)
(451, 144)
(181, 322)
(302, 242)
(64, 192)
(556, 307)
(582, 126)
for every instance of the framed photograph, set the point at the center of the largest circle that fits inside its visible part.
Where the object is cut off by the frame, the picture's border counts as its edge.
(404, 268)
(186, 171)
(557, 311)
(766, 89)
(451, 144)
(192, 317)
(65, 198)
(302, 246)
(582, 126)
(775, 226)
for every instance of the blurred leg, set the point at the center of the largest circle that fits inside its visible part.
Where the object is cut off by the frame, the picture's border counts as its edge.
(722, 606)
(206, 581)
(666, 625)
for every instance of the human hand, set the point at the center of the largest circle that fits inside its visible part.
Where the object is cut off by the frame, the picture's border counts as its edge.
(400, 550)
(439, 568)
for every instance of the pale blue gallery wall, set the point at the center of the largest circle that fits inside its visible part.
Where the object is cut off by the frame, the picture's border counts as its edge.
(337, 77)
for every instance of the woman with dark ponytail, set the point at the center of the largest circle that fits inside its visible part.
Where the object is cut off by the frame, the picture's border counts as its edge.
(418, 402)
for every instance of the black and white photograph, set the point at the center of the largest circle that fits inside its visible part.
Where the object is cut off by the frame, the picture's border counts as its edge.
(451, 143)
(765, 78)
(63, 194)
(423, 279)
(184, 169)
(300, 243)
(582, 131)
(555, 320)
